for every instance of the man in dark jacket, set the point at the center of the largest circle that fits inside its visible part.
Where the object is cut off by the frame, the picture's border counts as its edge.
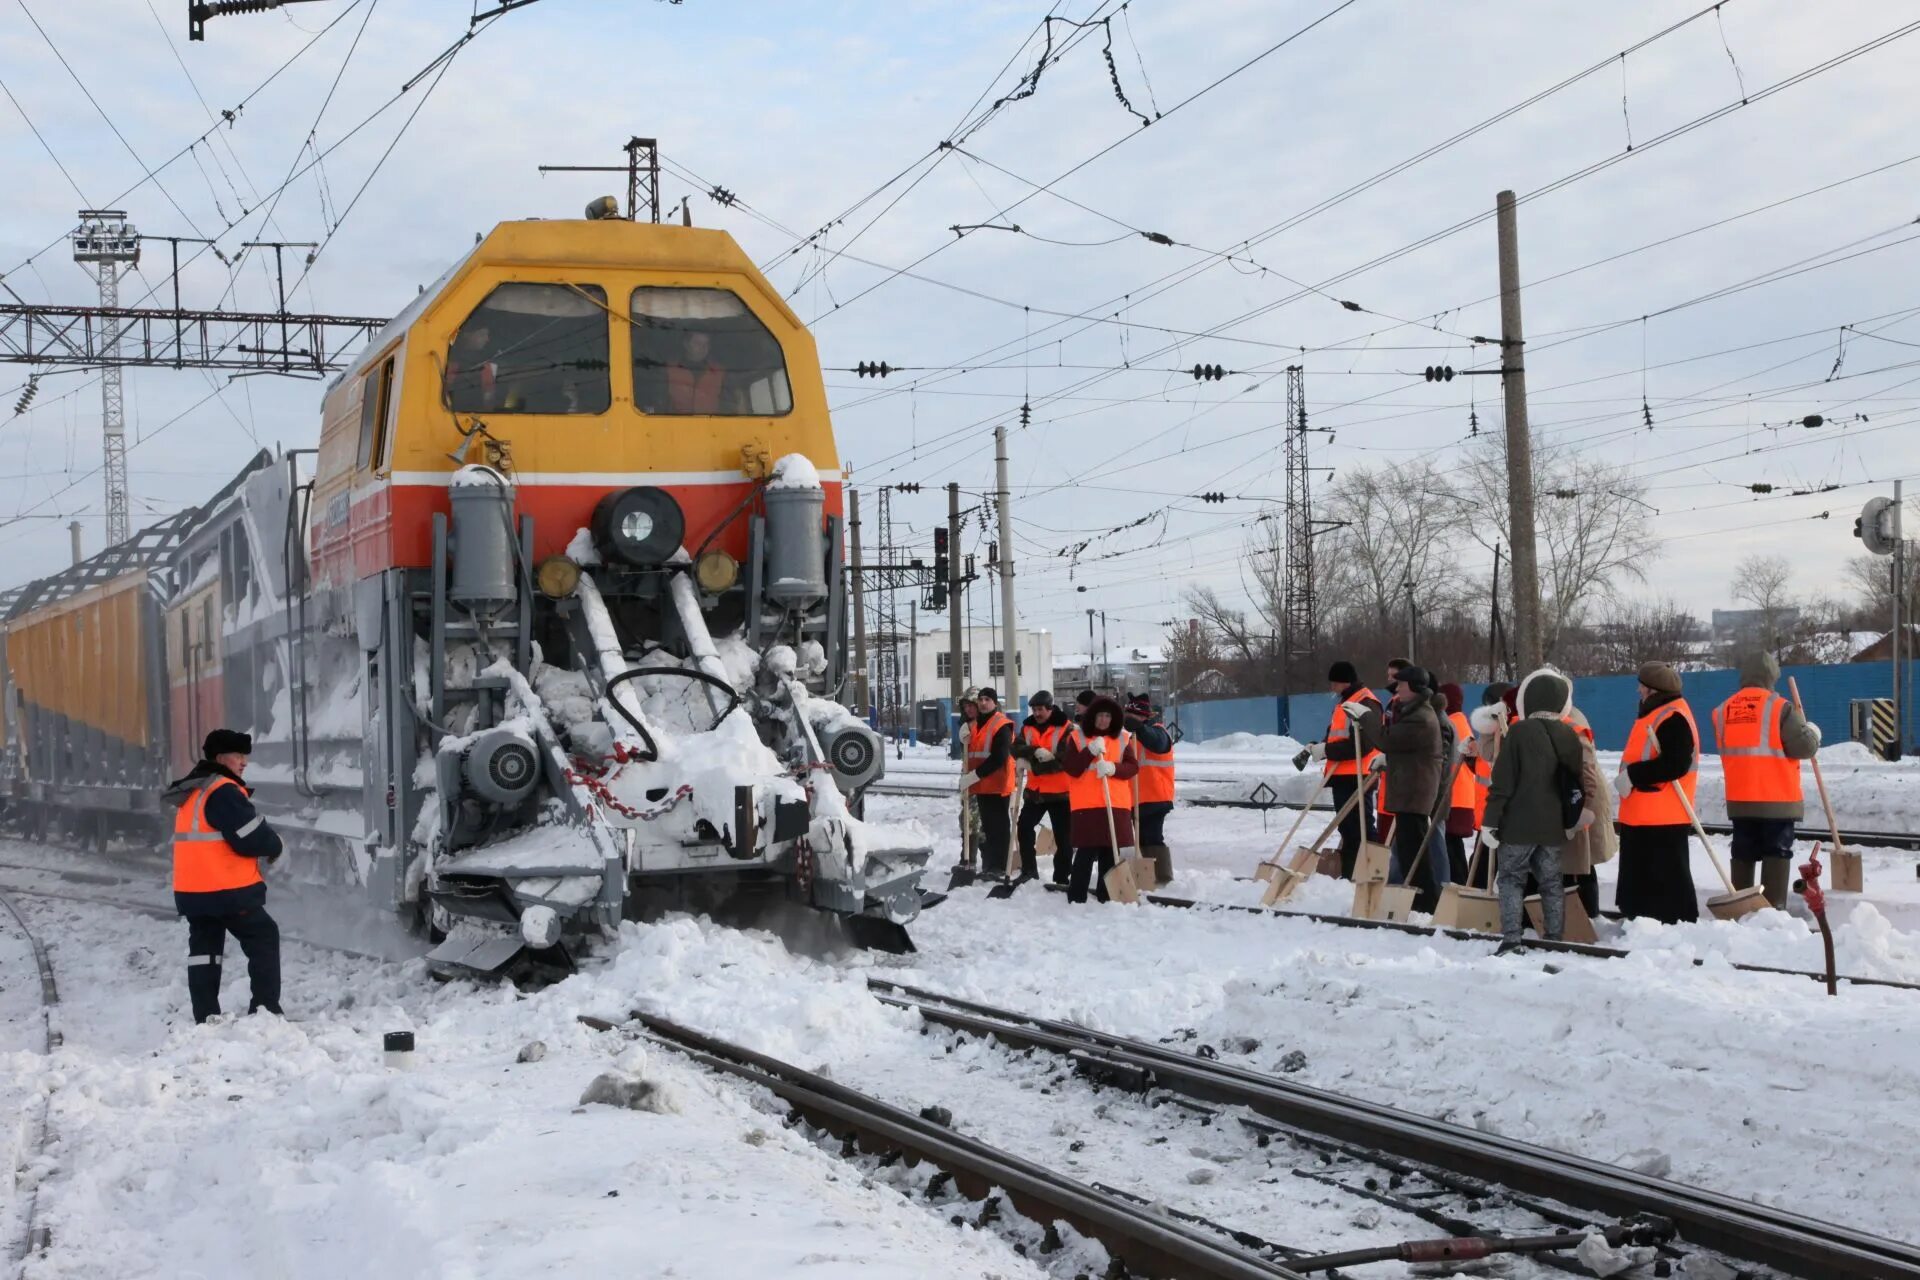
(218, 842)
(1524, 823)
(1414, 748)
(1037, 745)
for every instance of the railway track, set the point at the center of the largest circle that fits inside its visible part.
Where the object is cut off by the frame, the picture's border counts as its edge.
(1414, 1146)
(34, 1237)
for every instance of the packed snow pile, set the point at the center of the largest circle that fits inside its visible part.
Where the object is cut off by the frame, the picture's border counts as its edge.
(794, 471)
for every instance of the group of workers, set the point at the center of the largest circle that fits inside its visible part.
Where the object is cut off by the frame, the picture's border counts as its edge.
(1520, 776)
(1103, 779)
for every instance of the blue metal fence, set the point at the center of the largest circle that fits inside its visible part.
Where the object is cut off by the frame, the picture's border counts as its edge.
(1609, 703)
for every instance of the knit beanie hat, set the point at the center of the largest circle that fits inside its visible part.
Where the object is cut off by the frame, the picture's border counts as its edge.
(1342, 673)
(1659, 677)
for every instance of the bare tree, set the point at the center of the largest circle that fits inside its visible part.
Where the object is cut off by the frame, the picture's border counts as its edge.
(1592, 519)
(1766, 584)
(1399, 525)
(1628, 633)
(1872, 580)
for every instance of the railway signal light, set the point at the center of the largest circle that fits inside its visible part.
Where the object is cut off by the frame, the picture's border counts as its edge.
(873, 368)
(1873, 526)
(1439, 373)
(1208, 373)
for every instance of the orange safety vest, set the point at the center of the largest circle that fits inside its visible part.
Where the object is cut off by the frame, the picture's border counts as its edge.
(1155, 779)
(1752, 756)
(1046, 784)
(1085, 792)
(1341, 727)
(203, 861)
(694, 390)
(1469, 788)
(979, 747)
(1659, 808)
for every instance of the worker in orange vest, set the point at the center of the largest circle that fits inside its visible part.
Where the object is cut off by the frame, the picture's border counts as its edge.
(988, 778)
(1101, 759)
(1037, 745)
(1762, 739)
(1662, 756)
(1344, 760)
(1469, 787)
(1154, 787)
(218, 842)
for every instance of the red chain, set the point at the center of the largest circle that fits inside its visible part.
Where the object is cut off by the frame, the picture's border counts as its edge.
(595, 777)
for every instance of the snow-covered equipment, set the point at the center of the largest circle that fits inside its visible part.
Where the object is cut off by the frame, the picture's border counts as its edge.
(546, 633)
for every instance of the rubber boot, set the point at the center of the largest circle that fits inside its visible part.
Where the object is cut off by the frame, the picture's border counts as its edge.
(1162, 863)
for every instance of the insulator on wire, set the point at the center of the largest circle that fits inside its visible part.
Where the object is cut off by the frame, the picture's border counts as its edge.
(1026, 414)
(1473, 422)
(1213, 496)
(873, 368)
(1647, 414)
(1813, 420)
(1566, 493)
(1761, 488)
(1208, 373)
(27, 393)
(1439, 373)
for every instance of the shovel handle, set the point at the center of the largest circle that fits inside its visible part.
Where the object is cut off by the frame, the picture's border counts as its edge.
(1701, 831)
(1819, 780)
(1353, 801)
(1304, 811)
(1106, 799)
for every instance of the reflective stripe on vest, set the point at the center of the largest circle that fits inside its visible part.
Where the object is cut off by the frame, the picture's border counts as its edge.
(1341, 727)
(1752, 755)
(1085, 792)
(979, 747)
(1659, 808)
(203, 862)
(1046, 784)
(1155, 781)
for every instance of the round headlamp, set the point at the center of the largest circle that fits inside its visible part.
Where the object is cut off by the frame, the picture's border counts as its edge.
(641, 527)
(556, 576)
(716, 571)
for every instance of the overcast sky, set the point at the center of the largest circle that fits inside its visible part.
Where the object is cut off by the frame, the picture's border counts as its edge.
(802, 109)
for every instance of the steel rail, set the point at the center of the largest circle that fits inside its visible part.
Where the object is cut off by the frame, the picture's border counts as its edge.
(36, 1238)
(1148, 1242)
(1775, 1238)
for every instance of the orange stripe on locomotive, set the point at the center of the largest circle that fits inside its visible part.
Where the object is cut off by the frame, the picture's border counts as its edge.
(559, 346)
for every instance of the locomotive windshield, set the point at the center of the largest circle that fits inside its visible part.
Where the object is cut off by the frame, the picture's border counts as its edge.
(702, 351)
(532, 348)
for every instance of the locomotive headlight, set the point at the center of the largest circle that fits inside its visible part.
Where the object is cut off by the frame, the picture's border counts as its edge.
(556, 576)
(641, 527)
(716, 571)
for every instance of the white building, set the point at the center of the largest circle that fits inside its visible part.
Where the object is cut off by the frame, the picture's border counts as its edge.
(1130, 668)
(981, 662)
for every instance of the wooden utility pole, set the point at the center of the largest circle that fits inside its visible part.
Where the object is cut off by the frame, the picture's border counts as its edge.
(862, 692)
(1513, 379)
(1009, 626)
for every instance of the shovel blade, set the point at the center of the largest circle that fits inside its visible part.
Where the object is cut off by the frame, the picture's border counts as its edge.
(962, 877)
(871, 933)
(1001, 892)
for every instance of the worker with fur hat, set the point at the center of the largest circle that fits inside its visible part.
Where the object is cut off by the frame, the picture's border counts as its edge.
(1153, 788)
(218, 844)
(1655, 787)
(1416, 753)
(1101, 759)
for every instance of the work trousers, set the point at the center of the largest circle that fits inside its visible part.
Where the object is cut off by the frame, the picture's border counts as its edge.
(1090, 867)
(1542, 863)
(259, 939)
(995, 834)
(1457, 859)
(1356, 827)
(1153, 820)
(1054, 807)
(1411, 833)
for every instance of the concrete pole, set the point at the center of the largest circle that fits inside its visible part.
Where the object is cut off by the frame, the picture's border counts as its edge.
(73, 532)
(862, 691)
(1900, 652)
(1009, 626)
(1513, 378)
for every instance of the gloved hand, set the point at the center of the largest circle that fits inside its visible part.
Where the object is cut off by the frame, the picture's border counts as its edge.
(1104, 768)
(1043, 755)
(1622, 784)
(1377, 765)
(967, 778)
(1318, 751)
(1493, 840)
(1586, 820)
(1814, 729)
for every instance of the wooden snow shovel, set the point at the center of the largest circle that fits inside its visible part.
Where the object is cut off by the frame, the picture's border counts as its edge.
(965, 872)
(1120, 882)
(1382, 900)
(1462, 906)
(1734, 903)
(1269, 868)
(1283, 880)
(1005, 890)
(1847, 877)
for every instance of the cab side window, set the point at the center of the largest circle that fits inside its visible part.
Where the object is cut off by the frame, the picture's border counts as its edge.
(532, 348)
(702, 351)
(376, 401)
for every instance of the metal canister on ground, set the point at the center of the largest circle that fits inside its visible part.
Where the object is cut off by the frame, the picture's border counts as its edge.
(399, 1049)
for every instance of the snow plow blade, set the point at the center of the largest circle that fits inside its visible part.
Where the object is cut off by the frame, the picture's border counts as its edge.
(871, 933)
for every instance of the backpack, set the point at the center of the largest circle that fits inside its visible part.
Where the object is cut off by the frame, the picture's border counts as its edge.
(1566, 785)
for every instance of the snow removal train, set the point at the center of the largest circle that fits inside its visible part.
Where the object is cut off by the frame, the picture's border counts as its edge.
(546, 632)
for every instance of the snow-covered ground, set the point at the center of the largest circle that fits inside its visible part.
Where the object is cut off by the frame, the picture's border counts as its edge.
(290, 1149)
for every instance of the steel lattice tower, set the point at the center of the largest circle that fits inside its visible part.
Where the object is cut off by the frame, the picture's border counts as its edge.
(106, 245)
(1297, 602)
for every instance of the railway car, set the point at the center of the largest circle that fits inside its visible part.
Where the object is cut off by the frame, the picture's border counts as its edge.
(546, 631)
